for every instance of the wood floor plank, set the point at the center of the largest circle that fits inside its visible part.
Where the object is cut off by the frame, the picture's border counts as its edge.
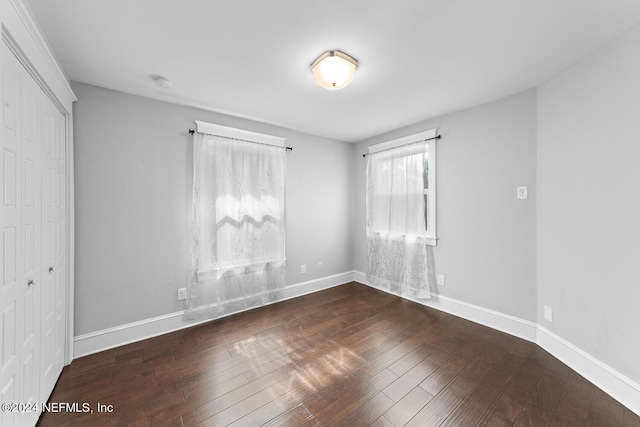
(453, 366)
(630, 419)
(467, 413)
(405, 363)
(235, 396)
(407, 407)
(382, 422)
(575, 402)
(290, 417)
(367, 413)
(349, 355)
(604, 411)
(437, 410)
(409, 380)
(347, 400)
(516, 393)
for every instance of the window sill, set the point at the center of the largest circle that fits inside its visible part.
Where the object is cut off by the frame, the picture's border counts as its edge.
(428, 240)
(431, 241)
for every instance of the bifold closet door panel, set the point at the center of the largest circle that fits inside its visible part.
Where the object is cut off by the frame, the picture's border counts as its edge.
(31, 184)
(53, 247)
(21, 239)
(12, 278)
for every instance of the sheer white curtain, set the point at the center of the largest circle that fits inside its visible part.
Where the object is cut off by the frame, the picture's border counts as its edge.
(237, 226)
(397, 251)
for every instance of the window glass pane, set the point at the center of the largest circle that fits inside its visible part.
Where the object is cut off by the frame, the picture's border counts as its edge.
(426, 170)
(425, 177)
(426, 210)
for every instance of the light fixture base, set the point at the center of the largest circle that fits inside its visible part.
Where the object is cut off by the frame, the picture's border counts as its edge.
(334, 69)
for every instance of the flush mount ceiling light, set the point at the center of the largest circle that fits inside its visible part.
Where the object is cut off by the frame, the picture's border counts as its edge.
(333, 69)
(163, 82)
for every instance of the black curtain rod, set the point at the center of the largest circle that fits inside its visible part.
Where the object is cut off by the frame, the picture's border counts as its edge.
(191, 132)
(415, 142)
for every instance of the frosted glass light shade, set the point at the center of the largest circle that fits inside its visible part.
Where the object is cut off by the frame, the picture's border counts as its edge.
(334, 70)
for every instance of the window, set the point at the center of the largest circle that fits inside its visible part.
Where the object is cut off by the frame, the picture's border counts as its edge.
(389, 163)
(401, 214)
(237, 221)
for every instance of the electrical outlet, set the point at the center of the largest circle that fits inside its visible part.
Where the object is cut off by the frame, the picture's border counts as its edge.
(522, 193)
(320, 265)
(182, 294)
(303, 269)
(548, 313)
(441, 279)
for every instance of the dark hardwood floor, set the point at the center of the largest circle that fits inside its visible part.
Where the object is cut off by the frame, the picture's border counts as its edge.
(350, 355)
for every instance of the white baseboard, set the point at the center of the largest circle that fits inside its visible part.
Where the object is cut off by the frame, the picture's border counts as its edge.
(612, 382)
(308, 287)
(105, 339)
(503, 322)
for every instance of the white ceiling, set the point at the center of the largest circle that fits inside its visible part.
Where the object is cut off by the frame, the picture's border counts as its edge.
(418, 58)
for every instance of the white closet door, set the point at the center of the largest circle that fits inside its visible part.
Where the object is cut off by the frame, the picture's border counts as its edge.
(21, 223)
(32, 242)
(53, 258)
(30, 185)
(13, 284)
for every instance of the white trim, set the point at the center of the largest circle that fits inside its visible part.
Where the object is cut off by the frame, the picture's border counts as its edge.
(47, 54)
(520, 328)
(416, 137)
(432, 231)
(105, 339)
(310, 286)
(229, 132)
(431, 241)
(71, 229)
(19, 29)
(623, 389)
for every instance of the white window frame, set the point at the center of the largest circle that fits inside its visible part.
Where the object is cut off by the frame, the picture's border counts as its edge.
(431, 236)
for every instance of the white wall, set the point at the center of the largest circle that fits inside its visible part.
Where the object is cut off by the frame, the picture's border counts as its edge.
(487, 237)
(589, 204)
(133, 195)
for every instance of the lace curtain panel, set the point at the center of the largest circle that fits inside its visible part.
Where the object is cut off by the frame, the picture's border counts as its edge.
(398, 256)
(237, 258)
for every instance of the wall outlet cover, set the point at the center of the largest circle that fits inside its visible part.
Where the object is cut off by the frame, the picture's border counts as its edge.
(523, 193)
